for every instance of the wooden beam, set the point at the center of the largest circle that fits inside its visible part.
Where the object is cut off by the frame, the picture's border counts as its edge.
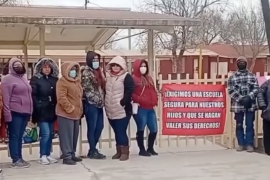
(47, 43)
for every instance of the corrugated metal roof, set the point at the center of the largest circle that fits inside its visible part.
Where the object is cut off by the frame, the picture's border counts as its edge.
(74, 16)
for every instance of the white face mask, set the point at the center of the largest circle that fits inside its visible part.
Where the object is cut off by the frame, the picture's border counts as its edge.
(143, 70)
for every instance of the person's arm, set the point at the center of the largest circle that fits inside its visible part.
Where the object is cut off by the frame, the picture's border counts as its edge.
(233, 90)
(61, 94)
(6, 88)
(33, 84)
(261, 96)
(1, 104)
(254, 88)
(128, 90)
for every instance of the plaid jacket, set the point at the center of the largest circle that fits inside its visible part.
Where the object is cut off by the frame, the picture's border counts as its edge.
(242, 84)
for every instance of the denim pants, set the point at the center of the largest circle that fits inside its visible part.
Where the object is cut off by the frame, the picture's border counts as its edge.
(146, 117)
(119, 127)
(16, 130)
(46, 136)
(245, 139)
(95, 124)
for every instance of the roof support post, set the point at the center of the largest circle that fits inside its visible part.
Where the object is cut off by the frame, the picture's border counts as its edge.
(25, 57)
(42, 41)
(150, 49)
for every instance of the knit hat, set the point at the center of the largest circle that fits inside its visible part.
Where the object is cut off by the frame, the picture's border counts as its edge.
(241, 59)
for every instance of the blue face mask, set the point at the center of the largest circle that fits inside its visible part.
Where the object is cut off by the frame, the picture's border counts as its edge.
(73, 73)
(95, 65)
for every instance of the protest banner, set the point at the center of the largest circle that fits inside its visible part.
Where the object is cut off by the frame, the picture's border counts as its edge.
(193, 110)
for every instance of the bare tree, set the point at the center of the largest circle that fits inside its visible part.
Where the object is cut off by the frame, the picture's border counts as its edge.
(245, 31)
(185, 37)
(12, 2)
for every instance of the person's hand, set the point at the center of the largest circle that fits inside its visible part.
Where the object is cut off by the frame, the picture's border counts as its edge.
(246, 102)
(263, 108)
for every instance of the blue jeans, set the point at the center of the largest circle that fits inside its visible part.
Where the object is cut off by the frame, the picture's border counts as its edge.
(119, 127)
(46, 136)
(243, 139)
(146, 117)
(16, 130)
(95, 124)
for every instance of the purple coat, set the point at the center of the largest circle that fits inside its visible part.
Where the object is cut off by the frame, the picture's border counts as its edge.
(16, 93)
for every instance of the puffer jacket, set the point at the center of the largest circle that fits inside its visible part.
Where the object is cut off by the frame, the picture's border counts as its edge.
(119, 89)
(263, 96)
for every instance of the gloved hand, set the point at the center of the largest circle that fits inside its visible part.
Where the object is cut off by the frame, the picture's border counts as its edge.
(246, 102)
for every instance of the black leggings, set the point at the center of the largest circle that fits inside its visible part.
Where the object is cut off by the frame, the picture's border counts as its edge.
(266, 136)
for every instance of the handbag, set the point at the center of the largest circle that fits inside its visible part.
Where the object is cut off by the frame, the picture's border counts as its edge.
(135, 106)
(31, 134)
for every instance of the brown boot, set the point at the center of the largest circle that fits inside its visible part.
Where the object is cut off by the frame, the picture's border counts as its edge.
(124, 153)
(118, 153)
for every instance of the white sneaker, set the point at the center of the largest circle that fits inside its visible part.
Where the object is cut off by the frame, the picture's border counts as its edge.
(44, 161)
(51, 159)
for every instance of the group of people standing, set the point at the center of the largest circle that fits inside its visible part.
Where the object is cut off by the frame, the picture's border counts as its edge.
(246, 98)
(79, 92)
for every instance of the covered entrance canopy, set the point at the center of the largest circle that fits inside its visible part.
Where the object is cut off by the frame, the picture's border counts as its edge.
(58, 28)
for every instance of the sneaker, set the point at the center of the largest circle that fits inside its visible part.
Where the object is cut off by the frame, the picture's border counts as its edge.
(44, 160)
(76, 159)
(51, 159)
(250, 149)
(96, 155)
(69, 162)
(20, 164)
(240, 148)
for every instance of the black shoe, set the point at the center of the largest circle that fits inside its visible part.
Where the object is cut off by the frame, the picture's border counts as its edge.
(69, 162)
(152, 152)
(140, 142)
(96, 155)
(151, 141)
(144, 153)
(76, 159)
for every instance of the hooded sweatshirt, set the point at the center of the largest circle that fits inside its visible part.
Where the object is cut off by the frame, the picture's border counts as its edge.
(16, 93)
(144, 95)
(69, 93)
(44, 91)
(93, 92)
(119, 89)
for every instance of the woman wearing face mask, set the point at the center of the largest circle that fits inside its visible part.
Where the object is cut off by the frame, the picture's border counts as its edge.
(69, 110)
(145, 96)
(43, 85)
(93, 84)
(119, 89)
(18, 107)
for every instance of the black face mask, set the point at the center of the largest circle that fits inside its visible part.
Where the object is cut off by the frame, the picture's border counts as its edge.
(242, 66)
(19, 70)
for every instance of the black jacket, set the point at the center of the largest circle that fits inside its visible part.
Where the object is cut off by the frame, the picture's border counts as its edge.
(44, 98)
(44, 92)
(263, 96)
(128, 91)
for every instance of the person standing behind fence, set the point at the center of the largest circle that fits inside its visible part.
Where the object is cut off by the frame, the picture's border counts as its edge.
(93, 83)
(69, 110)
(243, 88)
(119, 89)
(263, 98)
(145, 95)
(43, 85)
(18, 107)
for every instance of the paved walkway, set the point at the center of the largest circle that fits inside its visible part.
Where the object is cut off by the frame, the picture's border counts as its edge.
(217, 164)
